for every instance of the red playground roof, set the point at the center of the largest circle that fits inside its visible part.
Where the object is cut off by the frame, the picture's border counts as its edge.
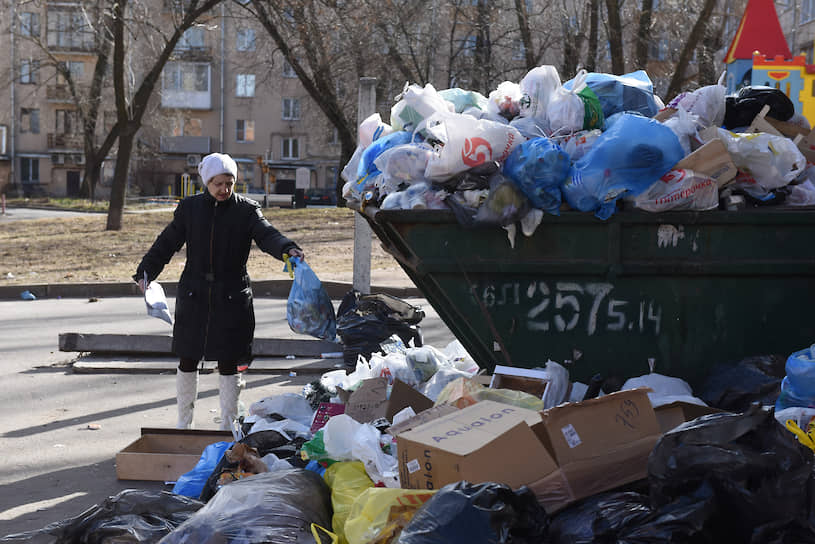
(759, 30)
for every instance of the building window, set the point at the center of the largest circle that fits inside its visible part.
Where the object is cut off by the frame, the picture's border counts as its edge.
(67, 122)
(30, 24)
(245, 130)
(29, 71)
(69, 30)
(193, 38)
(30, 120)
(185, 76)
(29, 170)
(290, 148)
(246, 39)
(73, 67)
(291, 109)
(288, 69)
(807, 10)
(245, 85)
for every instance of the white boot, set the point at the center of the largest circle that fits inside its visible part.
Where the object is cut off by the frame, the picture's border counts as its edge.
(186, 391)
(229, 389)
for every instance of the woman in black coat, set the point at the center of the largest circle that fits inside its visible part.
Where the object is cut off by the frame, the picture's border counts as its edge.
(214, 316)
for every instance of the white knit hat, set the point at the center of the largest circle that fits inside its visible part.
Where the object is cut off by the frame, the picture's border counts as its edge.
(217, 163)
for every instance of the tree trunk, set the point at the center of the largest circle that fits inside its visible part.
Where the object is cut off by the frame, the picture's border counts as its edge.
(117, 192)
(696, 34)
(526, 34)
(644, 33)
(594, 29)
(615, 37)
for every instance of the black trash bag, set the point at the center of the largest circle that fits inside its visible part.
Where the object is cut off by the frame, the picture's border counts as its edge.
(265, 442)
(760, 474)
(627, 517)
(275, 506)
(735, 387)
(132, 515)
(741, 108)
(475, 513)
(364, 321)
(472, 179)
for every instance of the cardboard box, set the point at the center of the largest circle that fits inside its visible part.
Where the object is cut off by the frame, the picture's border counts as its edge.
(485, 442)
(712, 160)
(598, 444)
(370, 400)
(534, 382)
(676, 413)
(163, 455)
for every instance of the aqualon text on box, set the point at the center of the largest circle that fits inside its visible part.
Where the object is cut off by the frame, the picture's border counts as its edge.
(485, 442)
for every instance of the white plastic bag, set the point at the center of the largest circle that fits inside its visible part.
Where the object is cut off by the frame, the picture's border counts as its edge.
(679, 190)
(288, 405)
(467, 142)
(372, 128)
(803, 194)
(566, 111)
(684, 125)
(156, 301)
(402, 165)
(773, 161)
(707, 103)
(416, 104)
(348, 440)
(664, 389)
(505, 101)
(578, 144)
(537, 88)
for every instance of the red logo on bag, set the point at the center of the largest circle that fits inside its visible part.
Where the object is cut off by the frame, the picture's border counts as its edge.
(674, 176)
(474, 153)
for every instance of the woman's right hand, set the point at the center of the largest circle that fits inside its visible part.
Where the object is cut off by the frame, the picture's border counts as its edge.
(143, 285)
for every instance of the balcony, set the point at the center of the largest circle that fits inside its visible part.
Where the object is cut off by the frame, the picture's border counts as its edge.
(62, 93)
(199, 145)
(58, 141)
(193, 53)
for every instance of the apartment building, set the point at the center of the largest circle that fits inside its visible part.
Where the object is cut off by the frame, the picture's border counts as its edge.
(223, 90)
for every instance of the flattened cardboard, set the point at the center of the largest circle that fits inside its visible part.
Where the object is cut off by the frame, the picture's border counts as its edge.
(370, 400)
(712, 160)
(162, 455)
(585, 430)
(674, 414)
(421, 418)
(402, 396)
(485, 442)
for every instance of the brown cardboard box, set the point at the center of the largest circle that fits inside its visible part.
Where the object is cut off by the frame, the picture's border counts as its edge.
(599, 444)
(712, 160)
(485, 442)
(163, 455)
(677, 413)
(370, 400)
(534, 382)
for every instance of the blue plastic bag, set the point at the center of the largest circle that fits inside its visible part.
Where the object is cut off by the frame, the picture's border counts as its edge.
(632, 92)
(366, 162)
(309, 309)
(192, 483)
(798, 387)
(539, 167)
(624, 161)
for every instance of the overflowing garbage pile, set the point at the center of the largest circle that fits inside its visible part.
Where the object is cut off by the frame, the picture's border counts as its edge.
(418, 445)
(595, 143)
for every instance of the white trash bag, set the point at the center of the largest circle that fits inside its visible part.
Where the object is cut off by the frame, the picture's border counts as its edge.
(156, 301)
(679, 190)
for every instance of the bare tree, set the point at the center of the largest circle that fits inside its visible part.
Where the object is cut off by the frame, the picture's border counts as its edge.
(614, 31)
(130, 109)
(643, 38)
(694, 37)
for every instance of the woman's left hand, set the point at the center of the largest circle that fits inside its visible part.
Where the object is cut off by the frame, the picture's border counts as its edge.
(294, 252)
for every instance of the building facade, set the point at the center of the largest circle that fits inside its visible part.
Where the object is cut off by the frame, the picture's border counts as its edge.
(223, 90)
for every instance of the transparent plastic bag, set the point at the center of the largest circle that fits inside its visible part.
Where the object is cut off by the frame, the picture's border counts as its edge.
(463, 100)
(309, 309)
(772, 161)
(504, 103)
(415, 104)
(371, 129)
(679, 190)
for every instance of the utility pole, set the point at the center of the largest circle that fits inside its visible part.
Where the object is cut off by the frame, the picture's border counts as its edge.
(362, 231)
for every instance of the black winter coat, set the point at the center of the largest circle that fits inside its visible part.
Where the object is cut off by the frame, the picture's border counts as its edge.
(214, 315)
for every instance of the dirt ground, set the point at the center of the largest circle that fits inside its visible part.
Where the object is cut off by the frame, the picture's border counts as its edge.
(81, 250)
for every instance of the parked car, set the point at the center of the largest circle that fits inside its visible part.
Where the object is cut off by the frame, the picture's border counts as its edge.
(320, 196)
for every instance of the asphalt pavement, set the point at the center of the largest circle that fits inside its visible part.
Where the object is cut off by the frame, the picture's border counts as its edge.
(62, 427)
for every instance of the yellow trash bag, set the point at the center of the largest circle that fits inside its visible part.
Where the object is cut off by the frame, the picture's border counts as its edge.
(379, 514)
(347, 481)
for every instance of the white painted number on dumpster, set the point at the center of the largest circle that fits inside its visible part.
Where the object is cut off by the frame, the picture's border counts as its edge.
(570, 306)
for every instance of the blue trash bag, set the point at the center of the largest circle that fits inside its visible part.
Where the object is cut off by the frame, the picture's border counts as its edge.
(309, 309)
(798, 387)
(632, 92)
(624, 161)
(539, 167)
(192, 483)
(366, 162)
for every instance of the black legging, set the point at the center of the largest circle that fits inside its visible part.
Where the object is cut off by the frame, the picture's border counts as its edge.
(191, 365)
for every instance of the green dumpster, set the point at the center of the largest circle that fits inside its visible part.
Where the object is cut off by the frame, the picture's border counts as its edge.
(681, 290)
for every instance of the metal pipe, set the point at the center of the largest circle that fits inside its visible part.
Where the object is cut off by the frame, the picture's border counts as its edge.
(222, 76)
(13, 124)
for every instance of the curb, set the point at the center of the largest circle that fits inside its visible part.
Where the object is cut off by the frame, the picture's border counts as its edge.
(260, 289)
